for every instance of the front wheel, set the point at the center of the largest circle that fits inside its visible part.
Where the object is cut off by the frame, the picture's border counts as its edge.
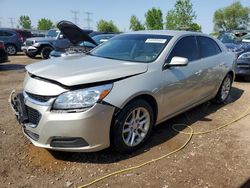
(11, 49)
(31, 55)
(132, 127)
(224, 90)
(45, 52)
(247, 78)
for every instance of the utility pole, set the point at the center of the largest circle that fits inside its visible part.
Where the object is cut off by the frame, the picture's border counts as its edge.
(88, 19)
(1, 21)
(11, 22)
(75, 16)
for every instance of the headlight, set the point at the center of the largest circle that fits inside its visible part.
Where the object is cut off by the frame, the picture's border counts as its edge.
(82, 98)
(245, 55)
(36, 44)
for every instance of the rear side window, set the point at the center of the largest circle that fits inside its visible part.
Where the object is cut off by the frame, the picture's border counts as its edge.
(8, 33)
(185, 47)
(208, 47)
(5, 34)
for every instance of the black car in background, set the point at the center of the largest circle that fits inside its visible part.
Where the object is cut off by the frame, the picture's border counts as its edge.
(3, 53)
(238, 41)
(12, 39)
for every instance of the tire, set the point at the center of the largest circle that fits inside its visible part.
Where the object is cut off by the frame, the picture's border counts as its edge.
(45, 51)
(11, 49)
(128, 131)
(31, 55)
(247, 78)
(224, 90)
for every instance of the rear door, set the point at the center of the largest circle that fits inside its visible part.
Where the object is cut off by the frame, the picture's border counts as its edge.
(211, 63)
(180, 83)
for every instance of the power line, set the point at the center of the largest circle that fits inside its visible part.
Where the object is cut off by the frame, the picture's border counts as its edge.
(11, 22)
(88, 19)
(75, 16)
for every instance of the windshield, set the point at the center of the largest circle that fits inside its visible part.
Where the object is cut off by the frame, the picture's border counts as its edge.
(133, 47)
(52, 33)
(235, 37)
(102, 38)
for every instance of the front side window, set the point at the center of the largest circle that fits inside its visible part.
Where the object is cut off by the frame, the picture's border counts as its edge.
(185, 47)
(208, 47)
(133, 47)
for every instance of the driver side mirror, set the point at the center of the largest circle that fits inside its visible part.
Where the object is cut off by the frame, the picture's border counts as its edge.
(177, 62)
(61, 36)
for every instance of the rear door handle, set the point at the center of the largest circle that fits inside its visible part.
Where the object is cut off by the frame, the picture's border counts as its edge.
(198, 72)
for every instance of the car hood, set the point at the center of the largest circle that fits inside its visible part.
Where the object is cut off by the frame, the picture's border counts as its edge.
(42, 39)
(78, 70)
(238, 47)
(74, 33)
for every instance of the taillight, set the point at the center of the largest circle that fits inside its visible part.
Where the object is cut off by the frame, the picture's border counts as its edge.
(2, 46)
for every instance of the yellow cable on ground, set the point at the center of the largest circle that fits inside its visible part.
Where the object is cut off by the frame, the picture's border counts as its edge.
(191, 133)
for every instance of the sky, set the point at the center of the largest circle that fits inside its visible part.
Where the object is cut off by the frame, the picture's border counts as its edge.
(119, 11)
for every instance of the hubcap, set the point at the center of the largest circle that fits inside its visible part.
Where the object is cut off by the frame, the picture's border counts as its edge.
(11, 50)
(136, 127)
(225, 88)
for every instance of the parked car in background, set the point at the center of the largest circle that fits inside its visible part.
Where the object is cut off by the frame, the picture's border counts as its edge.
(238, 41)
(3, 53)
(115, 94)
(44, 45)
(25, 34)
(81, 40)
(12, 39)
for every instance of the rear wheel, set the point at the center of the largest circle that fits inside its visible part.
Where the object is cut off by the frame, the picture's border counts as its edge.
(132, 126)
(45, 51)
(224, 90)
(11, 49)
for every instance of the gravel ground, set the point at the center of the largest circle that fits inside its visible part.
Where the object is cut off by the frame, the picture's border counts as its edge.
(218, 159)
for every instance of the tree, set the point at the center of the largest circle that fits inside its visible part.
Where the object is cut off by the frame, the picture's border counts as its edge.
(195, 27)
(234, 16)
(182, 17)
(135, 24)
(25, 22)
(45, 24)
(154, 19)
(107, 26)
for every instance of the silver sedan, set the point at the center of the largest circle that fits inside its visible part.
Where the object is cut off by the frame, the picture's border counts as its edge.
(115, 94)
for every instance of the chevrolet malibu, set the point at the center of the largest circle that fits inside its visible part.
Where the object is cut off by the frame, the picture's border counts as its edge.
(116, 93)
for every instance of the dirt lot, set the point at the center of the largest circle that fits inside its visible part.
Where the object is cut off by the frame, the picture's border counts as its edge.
(218, 159)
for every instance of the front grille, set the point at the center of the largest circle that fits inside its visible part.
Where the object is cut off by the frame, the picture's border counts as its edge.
(243, 65)
(33, 115)
(32, 135)
(39, 98)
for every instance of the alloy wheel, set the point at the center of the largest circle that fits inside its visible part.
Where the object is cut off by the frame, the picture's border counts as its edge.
(225, 88)
(136, 127)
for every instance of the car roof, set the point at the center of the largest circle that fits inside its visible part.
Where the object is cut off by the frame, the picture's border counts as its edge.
(8, 29)
(166, 32)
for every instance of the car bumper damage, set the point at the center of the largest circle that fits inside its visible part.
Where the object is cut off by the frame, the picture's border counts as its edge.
(29, 49)
(85, 131)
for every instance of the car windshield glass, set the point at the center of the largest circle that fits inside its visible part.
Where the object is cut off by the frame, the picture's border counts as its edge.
(234, 37)
(133, 47)
(52, 33)
(102, 38)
